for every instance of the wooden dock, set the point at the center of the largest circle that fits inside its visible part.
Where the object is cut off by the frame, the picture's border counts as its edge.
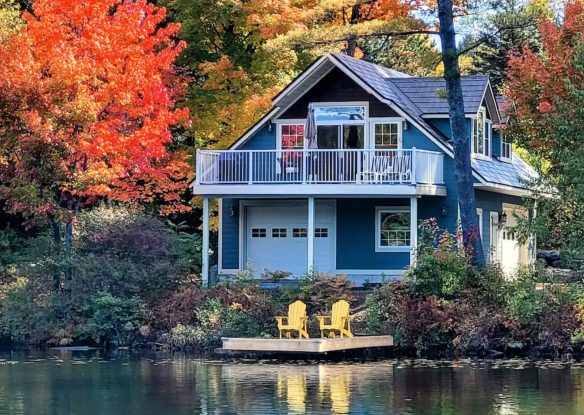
(304, 345)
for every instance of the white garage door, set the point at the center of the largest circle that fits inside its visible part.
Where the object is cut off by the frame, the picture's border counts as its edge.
(276, 237)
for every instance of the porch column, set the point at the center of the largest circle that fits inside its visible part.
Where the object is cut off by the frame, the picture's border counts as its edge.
(413, 228)
(310, 253)
(205, 248)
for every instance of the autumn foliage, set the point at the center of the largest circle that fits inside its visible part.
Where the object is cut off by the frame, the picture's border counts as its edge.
(87, 107)
(537, 82)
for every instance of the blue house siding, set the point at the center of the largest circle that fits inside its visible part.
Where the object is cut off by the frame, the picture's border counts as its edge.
(230, 234)
(356, 236)
(442, 125)
(264, 139)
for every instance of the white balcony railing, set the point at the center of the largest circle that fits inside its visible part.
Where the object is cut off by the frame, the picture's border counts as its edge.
(320, 166)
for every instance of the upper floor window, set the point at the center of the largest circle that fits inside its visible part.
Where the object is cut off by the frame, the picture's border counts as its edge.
(326, 114)
(387, 135)
(506, 148)
(292, 136)
(481, 134)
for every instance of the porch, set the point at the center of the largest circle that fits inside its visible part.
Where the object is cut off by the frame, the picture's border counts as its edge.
(304, 168)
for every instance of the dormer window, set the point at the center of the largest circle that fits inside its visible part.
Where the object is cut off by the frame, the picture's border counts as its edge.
(481, 134)
(506, 148)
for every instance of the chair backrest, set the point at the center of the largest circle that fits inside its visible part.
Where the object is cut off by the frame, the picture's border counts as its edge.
(296, 311)
(340, 309)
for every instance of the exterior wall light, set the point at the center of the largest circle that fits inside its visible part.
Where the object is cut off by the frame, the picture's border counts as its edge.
(444, 210)
(502, 217)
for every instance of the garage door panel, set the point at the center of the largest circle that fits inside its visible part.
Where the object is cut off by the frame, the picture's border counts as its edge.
(289, 253)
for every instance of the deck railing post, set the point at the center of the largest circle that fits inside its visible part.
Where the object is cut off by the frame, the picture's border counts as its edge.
(413, 165)
(359, 154)
(304, 163)
(250, 167)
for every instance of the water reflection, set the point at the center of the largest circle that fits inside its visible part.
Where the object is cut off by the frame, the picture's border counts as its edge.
(82, 383)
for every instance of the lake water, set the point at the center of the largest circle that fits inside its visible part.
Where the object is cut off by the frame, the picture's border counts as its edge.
(94, 383)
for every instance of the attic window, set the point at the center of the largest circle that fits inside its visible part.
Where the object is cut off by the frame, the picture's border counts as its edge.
(481, 134)
(506, 148)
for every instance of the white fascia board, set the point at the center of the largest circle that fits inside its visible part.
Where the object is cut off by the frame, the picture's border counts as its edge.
(300, 79)
(504, 189)
(321, 190)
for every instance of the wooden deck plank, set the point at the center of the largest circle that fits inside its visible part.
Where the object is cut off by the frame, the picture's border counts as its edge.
(305, 345)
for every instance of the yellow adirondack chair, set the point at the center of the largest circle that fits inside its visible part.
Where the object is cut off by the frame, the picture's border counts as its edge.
(338, 321)
(295, 321)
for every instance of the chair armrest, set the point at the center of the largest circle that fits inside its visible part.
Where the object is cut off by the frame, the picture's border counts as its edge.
(281, 318)
(323, 318)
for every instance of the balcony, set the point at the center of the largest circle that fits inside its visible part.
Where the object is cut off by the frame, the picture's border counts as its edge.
(323, 170)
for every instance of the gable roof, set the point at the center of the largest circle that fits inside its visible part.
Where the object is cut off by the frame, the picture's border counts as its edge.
(412, 97)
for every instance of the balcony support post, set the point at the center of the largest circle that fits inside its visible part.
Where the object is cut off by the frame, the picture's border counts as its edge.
(205, 247)
(310, 239)
(413, 228)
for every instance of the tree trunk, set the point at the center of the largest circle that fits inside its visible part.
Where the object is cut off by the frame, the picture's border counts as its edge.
(69, 254)
(352, 40)
(462, 163)
(56, 228)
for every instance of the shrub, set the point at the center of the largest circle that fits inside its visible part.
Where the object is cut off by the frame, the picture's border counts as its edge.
(441, 268)
(107, 317)
(127, 252)
(320, 291)
(233, 310)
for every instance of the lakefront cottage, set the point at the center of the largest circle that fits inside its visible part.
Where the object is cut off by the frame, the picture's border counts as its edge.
(351, 156)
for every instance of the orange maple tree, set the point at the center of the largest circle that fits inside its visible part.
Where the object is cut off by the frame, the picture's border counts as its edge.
(87, 108)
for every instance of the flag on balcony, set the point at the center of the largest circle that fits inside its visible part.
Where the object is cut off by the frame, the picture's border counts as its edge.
(310, 129)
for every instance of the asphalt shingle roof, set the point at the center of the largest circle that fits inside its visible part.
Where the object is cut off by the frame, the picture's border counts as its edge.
(420, 96)
(424, 93)
(517, 173)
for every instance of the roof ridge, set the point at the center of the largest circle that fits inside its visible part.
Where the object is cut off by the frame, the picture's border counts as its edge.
(378, 66)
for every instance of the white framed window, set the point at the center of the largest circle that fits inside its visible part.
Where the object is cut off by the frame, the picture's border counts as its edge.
(482, 132)
(292, 136)
(506, 148)
(480, 215)
(392, 229)
(386, 135)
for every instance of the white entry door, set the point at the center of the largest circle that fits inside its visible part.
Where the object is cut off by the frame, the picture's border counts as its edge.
(276, 237)
(510, 248)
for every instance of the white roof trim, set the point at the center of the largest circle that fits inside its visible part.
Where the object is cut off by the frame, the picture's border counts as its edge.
(504, 189)
(254, 129)
(301, 78)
